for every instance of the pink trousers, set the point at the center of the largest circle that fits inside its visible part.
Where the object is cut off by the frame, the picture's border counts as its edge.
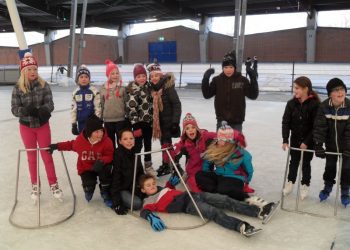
(34, 138)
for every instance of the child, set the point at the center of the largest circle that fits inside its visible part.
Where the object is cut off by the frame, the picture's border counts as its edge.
(166, 112)
(227, 166)
(332, 127)
(113, 96)
(170, 200)
(230, 89)
(85, 101)
(32, 103)
(95, 156)
(298, 117)
(123, 174)
(139, 112)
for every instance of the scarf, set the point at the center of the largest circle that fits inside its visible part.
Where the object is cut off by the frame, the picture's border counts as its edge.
(157, 107)
(109, 85)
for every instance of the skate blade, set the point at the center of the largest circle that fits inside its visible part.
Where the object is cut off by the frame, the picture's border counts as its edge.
(252, 232)
(272, 213)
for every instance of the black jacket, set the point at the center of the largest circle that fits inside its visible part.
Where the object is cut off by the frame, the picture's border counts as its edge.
(299, 119)
(332, 126)
(230, 93)
(123, 173)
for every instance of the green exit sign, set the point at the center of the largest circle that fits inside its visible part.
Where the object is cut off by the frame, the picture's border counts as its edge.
(161, 38)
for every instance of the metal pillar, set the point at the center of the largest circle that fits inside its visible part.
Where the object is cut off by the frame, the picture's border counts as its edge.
(49, 36)
(73, 21)
(81, 39)
(237, 22)
(240, 49)
(311, 32)
(123, 33)
(204, 28)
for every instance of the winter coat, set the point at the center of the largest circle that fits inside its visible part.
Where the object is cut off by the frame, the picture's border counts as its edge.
(85, 102)
(89, 153)
(139, 105)
(233, 168)
(40, 97)
(299, 119)
(230, 93)
(332, 126)
(193, 150)
(123, 173)
(113, 108)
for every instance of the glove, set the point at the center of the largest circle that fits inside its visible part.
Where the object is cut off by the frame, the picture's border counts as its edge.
(174, 180)
(32, 110)
(209, 72)
(52, 147)
(251, 73)
(120, 210)
(44, 114)
(156, 223)
(175, 130)
(75, 129)
(137, 133)
(320, 151)
(98, 166)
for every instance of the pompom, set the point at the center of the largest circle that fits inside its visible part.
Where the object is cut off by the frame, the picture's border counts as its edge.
(224, 123)
(108, 61)
(28, 54)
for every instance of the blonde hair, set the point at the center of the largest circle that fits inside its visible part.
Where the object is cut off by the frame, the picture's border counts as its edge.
(219, 155)
(24, 83)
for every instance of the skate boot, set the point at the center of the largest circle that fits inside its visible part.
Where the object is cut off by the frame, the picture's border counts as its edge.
(248, 230)
(164, 169)
(256, 201)
(56, 191)
(304, 191)
(288, 188)
(34, 195)
(324, 193)
(247, 189)
(268, 211)
(105, 194)
(149, 169)
(89, 192)
(345, 196)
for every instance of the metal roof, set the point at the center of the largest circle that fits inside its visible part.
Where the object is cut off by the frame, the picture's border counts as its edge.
(39, 15)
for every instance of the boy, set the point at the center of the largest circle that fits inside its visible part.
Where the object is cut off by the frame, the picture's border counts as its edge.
(85, 102)
(170, 200)
(230, 89)
(95, 156)
(332, 127)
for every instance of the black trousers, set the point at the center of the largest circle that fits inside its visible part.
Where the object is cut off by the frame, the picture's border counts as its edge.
(89, 179)
(113, 128)
(144, 140)
(213, 183)
(295, 156)
(331, 170)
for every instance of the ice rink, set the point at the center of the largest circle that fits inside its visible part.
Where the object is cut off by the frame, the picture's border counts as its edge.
(94, 226)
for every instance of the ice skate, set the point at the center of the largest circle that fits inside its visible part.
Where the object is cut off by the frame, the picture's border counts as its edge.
(56, 192)
(105, 194)
(288, 188)
(164, 169)
(345, 196)
(149, 169)
(256, 201)
(304, 191)
(324, 193)
(88, 196)
(248, 230)
(268, 211)
(34, 195)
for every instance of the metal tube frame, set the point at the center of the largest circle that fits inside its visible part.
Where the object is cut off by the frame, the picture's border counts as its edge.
(296, 209)
(39, 225)
(182, 181)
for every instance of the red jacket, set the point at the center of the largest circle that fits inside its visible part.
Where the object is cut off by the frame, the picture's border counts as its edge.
(89, 153)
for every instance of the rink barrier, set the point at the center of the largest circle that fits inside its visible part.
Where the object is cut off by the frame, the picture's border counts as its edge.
(39, 225)
(298, 181)
(204, 221)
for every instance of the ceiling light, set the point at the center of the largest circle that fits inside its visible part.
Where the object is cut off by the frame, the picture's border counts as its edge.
(151, 19)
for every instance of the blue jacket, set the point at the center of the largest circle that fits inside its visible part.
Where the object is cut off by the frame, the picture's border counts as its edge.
(240, 168)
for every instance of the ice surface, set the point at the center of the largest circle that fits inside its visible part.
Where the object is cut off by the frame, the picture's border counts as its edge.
(96, 227)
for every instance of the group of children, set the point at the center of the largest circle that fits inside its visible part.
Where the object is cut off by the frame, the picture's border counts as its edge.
(114, 123)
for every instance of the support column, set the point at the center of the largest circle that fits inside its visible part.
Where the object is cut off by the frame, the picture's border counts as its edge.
(49, 36)
(204, 28)
(240, 50)
(71, 46)
(123, 33)
(311, 29)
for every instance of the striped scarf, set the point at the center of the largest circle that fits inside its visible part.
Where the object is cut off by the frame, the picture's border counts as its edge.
(109, 85)
(157, 107)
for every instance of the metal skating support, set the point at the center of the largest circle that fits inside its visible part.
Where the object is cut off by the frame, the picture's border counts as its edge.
(39, 225)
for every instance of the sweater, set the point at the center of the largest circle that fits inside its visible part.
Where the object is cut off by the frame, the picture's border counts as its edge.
(113, 108)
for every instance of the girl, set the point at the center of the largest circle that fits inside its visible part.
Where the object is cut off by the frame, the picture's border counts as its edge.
(123, 174)
(166, 112)
(298, 118)
(113, 96)
(139, 109)
(85, 101)
(32, 103)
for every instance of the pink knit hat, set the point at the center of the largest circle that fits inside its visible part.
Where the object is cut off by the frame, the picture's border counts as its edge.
(109, 67)
(139, 69)
(228, 134)
(28, 60)
(189, 119)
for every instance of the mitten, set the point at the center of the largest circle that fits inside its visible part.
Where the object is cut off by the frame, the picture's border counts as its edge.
(52, 147)
(120, 210)
(75, 129)
(156, 223)
(209, 72)
(174, 180)
(320, 151)
(44, 114)
(98, 166)
(137, 133)
(175, 130)
(32, 110)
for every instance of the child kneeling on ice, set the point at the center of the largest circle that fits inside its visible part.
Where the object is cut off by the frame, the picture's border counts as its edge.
(95, 150)
(170, 200)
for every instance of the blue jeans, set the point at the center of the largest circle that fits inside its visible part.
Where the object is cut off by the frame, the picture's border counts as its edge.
(126, 198)
(211, 205)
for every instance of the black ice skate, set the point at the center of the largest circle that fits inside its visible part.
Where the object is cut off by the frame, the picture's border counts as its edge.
(248, 230)
(164, 169)
(268, 211)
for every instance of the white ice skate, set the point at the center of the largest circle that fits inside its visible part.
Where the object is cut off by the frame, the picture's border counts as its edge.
(288, 188)
(56, 192)
(34, 195)
(149, 169)
(257, 201)
(304, 191)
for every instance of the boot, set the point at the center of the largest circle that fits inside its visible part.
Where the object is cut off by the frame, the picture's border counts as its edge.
(89, 192)
(164, 169)
(56, 191)
(288, 188)
(304, 191)
(149, 169)
(345, 196)
(247, 189)
(105, 194)
(324, 193)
